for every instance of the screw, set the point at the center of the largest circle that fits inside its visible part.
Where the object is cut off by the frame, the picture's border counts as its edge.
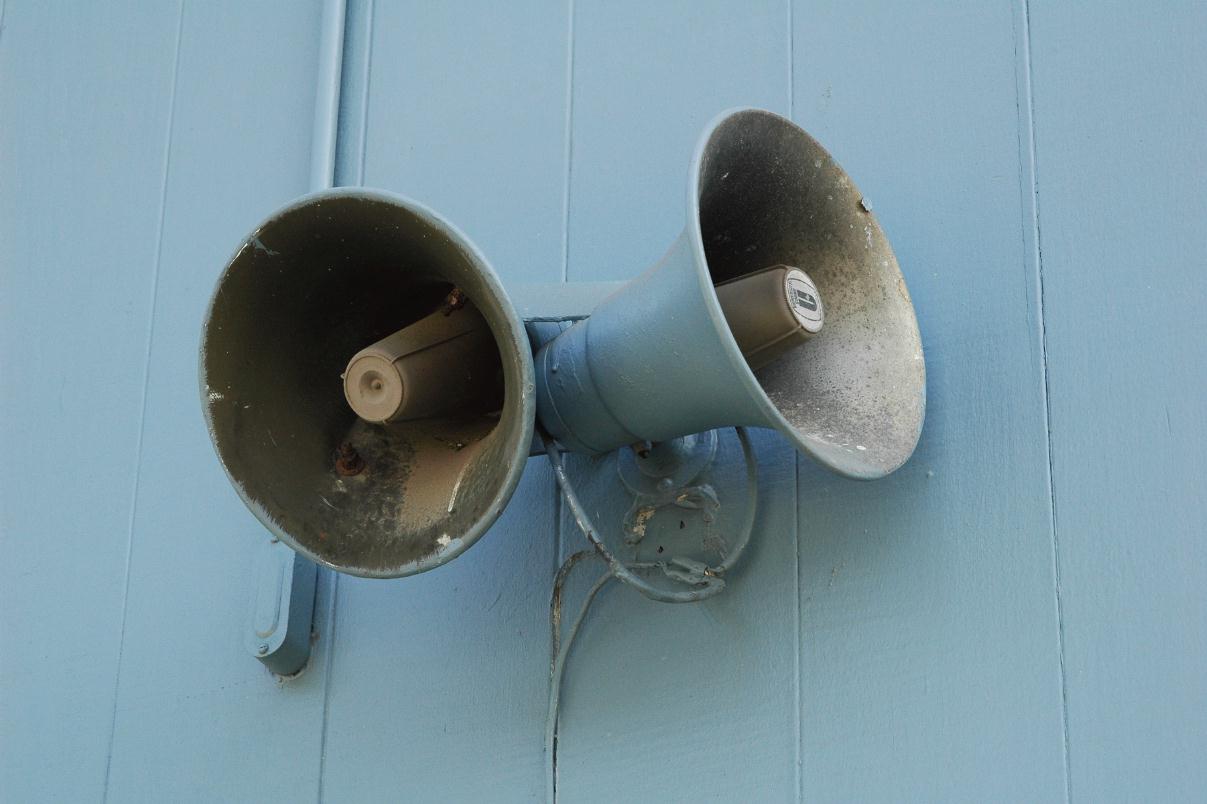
(348, 461)
(455, 300)
(262, 650)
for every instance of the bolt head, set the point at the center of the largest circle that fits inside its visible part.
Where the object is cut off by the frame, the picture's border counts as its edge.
(262, 650)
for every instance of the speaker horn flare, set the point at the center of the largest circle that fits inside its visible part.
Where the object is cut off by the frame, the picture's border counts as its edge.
(661, 358)
(310, 288)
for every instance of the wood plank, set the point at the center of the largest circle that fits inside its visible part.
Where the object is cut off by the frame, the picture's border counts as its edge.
(439, 681)
(647, 78)
(448, 670)
(1120, 126)
(467, 108)
(690, 702)
(196, 714)
(663, 702)
(84, 102)
(930, 665)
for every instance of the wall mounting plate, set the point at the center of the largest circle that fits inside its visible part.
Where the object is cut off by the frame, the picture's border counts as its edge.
(678, 512)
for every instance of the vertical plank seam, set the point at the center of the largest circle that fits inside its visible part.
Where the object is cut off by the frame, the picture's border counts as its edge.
(328, 666)
(1033, 247)
(364, 126)
(569, 141)
(797, 621)
(558, 536)
(366, 60)
(568, 155)
(142, 416)
(799, 624)
(791, 62)
(325, 131)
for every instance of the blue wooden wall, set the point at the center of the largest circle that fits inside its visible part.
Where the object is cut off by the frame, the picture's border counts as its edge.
(1018, 614)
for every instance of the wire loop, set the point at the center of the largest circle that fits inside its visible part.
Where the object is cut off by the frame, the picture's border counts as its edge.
(705, 581)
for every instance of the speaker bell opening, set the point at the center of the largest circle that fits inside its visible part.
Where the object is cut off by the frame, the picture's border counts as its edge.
(311, 287)
(766, 193)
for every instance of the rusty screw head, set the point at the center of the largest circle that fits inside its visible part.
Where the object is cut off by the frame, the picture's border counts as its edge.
(348, 461)
(455, 300)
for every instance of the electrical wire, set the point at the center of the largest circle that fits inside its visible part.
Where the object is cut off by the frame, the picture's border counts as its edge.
(558, 668)
(555, 605)
(710, 583)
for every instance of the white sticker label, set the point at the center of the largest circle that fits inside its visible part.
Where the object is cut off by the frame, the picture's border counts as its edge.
(804, 299)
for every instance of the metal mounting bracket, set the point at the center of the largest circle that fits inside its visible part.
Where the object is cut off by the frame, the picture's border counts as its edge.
(278, 631)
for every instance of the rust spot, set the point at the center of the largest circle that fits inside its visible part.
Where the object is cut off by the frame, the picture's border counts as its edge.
(348, 461)
(455, 300)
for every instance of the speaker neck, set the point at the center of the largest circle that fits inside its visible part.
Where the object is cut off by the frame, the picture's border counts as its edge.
(653, 362)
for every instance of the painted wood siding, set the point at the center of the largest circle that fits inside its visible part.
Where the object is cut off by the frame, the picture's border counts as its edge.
(1017, 614)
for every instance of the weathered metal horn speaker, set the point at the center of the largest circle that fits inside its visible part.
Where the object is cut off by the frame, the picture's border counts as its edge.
(781, 305)
(441, 376)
